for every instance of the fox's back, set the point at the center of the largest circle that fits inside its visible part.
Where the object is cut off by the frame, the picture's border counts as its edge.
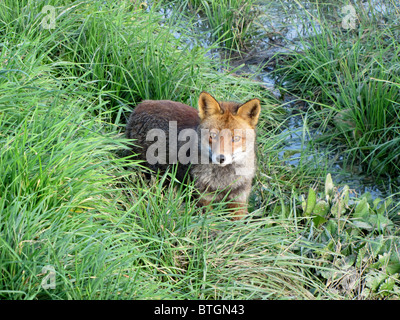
(158, 114)
(151, 114)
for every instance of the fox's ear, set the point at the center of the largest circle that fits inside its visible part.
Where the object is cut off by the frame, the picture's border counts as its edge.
(208, 105)
(250, 111)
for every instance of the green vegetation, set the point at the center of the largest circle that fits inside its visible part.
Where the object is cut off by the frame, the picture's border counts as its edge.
(231, 21)
(358, 236)
(354, 76)
(72, 206)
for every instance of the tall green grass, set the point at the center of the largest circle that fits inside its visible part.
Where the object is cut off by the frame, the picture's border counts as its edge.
(353, 75)
(57, 167)
(231, 22)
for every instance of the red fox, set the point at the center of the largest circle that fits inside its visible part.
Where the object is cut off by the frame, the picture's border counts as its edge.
(216, 144)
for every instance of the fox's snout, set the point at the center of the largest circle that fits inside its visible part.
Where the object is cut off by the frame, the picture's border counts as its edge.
(221, 159)
(222, 148)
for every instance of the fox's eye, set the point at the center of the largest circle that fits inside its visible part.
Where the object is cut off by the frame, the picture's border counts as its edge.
(236, 138)
(213, 135)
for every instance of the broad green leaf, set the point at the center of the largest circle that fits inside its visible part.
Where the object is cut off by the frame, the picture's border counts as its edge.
(376, 203)
(363, 225)
(360, 256)
(388, 262)
(384, 206)
(321, 208)
(329, 187)
(338, 209)
(362, 209)
(318, 220)
(346, 195)
(367, 195)
(303, 203)
(388, 202)
(332, 227)
(375, 245)
(311, 200)
(373, 280)
(393, 266)
(379, 221)
(387, 286)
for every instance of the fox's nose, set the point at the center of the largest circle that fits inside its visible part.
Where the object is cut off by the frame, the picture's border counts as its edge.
(220, 158)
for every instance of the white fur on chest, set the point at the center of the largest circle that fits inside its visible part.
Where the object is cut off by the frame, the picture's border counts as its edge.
(218, 178)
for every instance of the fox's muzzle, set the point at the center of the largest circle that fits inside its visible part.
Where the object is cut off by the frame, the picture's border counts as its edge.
(220, 159)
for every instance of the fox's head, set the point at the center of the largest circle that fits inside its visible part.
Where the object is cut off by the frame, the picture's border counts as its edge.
(227, 129)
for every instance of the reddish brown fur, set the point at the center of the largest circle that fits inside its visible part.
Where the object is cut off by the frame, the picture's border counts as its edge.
(156, 114)
(186, 117)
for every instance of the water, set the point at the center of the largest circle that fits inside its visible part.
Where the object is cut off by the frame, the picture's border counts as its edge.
(299, 146)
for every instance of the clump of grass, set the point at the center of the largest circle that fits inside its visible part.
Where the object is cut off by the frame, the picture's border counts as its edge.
(354, 76)
(132, 55)
(127, 55)
(207, 256)
(232, 22)
(57, 167)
